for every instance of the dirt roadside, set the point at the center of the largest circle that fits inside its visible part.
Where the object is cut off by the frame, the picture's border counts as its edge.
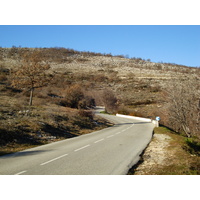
(155, 154)
(168, 153)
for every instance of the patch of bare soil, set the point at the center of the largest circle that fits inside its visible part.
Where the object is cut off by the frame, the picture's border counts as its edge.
(155, 155)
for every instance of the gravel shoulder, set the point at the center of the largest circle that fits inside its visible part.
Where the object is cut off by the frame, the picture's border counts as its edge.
(155, 154)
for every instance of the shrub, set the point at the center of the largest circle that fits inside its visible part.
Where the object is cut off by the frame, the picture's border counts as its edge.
(73, 95)
(110, 101)
(90, 102)
(137, 114)
(128, 111)
(83, 119)
(123, 110)
(82, 104)
(3, 78)
(86, 113)
(3, 74)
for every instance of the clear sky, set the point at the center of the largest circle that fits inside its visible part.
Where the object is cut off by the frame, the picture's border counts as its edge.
(174, 44)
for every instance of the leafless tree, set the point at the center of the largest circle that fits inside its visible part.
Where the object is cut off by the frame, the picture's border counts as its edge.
(109, 100)
(31, 73)
(184, 106)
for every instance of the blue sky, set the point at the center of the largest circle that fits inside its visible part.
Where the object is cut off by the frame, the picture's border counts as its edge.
(174, 44)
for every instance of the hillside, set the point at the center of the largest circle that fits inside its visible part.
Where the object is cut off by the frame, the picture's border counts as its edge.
(126, 85)
(134, 81)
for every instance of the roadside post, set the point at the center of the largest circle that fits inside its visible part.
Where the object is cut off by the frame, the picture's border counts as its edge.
(157, 121)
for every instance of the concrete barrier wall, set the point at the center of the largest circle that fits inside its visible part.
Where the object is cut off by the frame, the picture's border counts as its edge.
(139, 118)
(133, 117)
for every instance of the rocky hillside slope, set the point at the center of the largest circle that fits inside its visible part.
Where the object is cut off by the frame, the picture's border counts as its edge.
(137, 83)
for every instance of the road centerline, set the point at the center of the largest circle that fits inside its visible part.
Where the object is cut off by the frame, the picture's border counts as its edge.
(82, 147)
(54, 159)
(99, 140)
(20, 172)
(110, 136)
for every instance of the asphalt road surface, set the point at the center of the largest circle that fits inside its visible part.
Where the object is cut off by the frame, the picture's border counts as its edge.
(113, 150)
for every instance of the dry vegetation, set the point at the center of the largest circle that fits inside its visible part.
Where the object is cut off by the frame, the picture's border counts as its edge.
(81, 80)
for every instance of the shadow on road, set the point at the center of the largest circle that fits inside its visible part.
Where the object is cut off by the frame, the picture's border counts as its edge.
(120, 124)
(142, 123)
(23, 153)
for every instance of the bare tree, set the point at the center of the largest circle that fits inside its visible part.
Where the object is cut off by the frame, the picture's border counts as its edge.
(184, 108)
(31, 74)
(109, 100)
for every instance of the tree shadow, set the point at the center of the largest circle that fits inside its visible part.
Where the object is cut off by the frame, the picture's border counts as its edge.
(192, 146)
(19, 136)
(58, 131)
(172, 130)
(121, 124)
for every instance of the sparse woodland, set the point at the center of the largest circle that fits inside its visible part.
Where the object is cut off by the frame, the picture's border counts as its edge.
(48, 93)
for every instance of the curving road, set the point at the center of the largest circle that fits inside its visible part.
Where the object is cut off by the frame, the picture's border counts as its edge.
(113, 150)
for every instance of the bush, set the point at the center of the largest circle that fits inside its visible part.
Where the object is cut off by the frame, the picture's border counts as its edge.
(128, 111)
(3, 78)
(86, 113)
(84, 119)
(123, 110)
(137, 114)
(110, 101)
(82, 104)
(73, 95)
(90, 102)
(3, 74)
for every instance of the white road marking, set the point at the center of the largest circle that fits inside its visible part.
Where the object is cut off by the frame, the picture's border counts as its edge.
(79, 149)
(54, 159)
(82, 148)
(20, 172)
(110, 136)
(99, 140)
(128, 127)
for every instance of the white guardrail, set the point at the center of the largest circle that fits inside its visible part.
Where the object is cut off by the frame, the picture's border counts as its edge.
(155, 122)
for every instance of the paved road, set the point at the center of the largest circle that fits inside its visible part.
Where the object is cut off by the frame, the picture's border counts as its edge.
(113, 150)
